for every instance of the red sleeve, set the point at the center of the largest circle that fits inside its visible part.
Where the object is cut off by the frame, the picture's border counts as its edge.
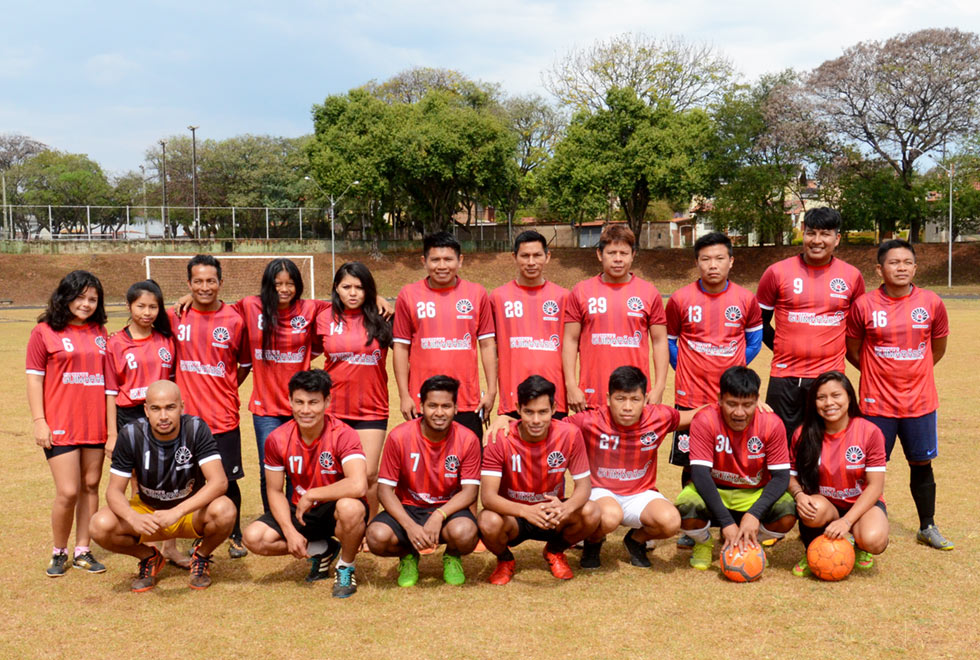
(768, 292)
(493, 458)
(578, 461)
(37, 352)
(673, 315)
(875, 454)
(244, 346)
(391, 459)
(172, 347)
(273, 451)
(673, 417)
(940, 326)
(794, 443)
(858, 286)
(855, 320)
(754, 312)
(485, 329)
(657, 316)
(109, 373)
(777, 453)
(470, 468)
(580, 419)
(404, 326)
(702, 439)
(573, 310)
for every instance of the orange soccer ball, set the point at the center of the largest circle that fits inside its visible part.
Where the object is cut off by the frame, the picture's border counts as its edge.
(744, 566)
(830, 559)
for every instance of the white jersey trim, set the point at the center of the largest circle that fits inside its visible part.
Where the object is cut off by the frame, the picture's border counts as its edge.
(351, 457)
(766, 307)
(490, 473)
(779, 466)
(489, 335)
(669, 337)
(35, 372)
(874, 469)
(208, 459)
(120, 473)
(111, 392)
(275, 468)
(470, 482)
(754, 328)
(387, 482)
(703, 463)
(399, 340)
(793, 473)
(581, 475)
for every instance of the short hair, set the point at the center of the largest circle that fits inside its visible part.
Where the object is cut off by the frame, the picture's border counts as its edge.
(203, 260)
(714, 238)
(534, 386)
(893, 244)
(440, 239)
(439, 383)
(740, 382)
(617, 233)
(530, 236)
(311, 380)
(627, 379)
(822, 217)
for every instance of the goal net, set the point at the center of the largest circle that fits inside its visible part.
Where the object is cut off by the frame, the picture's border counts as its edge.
(241, 274)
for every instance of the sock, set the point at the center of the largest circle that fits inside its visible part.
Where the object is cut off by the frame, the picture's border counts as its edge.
(557, 546)
(769, 534)
(341, 563)
(234, 494)
(922, 483)
(506, 555)
(81, 549)
(702, 535)
(808, 534)
(59, 551)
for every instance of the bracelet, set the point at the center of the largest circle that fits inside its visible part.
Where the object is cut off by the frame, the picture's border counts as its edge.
(37, 418)
(444, 516)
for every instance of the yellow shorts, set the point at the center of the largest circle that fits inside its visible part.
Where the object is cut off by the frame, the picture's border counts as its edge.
(182, 529)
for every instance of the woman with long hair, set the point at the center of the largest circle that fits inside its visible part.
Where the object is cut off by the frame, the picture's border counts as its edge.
(356, 338)
(67, 389)
(837, 473)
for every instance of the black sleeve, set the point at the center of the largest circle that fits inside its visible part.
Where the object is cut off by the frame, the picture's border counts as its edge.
(123, 462)
(773, 491)
(204, 443)
(701, 477)
(768, 332)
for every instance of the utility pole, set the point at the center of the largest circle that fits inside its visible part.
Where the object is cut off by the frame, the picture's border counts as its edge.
(197, 218)
(163, 180)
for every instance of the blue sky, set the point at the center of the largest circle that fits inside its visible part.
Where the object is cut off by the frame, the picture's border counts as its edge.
(109, 79)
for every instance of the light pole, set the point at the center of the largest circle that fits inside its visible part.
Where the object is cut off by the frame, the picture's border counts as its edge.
(950, 171)
(3, 182)
(197, 218)
(333, 203)
(163, 180)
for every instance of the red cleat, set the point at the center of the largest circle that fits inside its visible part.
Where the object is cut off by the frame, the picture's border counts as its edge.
(503, 573)
(558, 563)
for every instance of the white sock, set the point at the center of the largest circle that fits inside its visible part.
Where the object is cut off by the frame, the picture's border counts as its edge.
(702, 535)
(769, 534)
(341, 563)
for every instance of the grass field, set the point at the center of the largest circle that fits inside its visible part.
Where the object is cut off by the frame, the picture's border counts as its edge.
(915, 603)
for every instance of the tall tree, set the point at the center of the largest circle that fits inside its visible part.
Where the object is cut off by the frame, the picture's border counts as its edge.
(62, 179)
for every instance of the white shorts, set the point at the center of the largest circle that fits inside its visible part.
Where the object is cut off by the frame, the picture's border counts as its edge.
(632, 505)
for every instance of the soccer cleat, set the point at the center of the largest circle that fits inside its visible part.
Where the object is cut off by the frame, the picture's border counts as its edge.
(503, 573)
(771, 541)
(802, 568)
(236, 550)
(863, 559)
(685, 542)
(558, 563)
(480, 547)
(200, 572)
(320, 562)
(637, 550)
(701, 555)
(58, 565)
(344, 582)
(146, 576)
(408, 570)
(590, 555)
(452, 570)
(88, 563)
(932, 537)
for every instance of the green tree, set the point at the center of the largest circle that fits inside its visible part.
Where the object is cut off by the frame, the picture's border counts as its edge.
(61, 179)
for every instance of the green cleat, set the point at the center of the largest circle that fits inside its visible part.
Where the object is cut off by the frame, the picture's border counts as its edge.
(408, 570)
(863, 559)
(701, 555)
(932, 537)
(802, 568)
(452, 570)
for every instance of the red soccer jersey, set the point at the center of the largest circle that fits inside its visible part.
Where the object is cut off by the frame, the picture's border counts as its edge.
(624, 460)
(529, 322)
(896, 351)
(210, 347)
(534, 471)
(290, 351)
(844, 460)
(710, 332)
(76, 381)
(318, 464)
(136, 363)
(425, 473)
(811, 305)
(442, 328)
(739, 459)
(358, 369)
(615, 320)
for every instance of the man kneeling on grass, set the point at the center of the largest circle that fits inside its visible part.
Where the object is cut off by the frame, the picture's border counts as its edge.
(523, 482)
(328, 473)
(180, 484)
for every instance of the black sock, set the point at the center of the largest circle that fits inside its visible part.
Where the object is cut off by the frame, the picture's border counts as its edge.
(808, 534)
(922, 483)
(234, 494)
(506, 555)
(557, 546)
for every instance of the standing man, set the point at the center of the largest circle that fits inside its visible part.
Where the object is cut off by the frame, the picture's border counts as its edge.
(429, 477)
(809, 295)
(529, 315)
(438, 322)
(895, 336)
(608, 320)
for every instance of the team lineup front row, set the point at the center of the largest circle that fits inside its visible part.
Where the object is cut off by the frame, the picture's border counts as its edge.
(86, 388)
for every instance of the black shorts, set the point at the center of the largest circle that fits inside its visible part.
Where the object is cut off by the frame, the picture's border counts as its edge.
(681, 446)
(320, 522)
(366, 424)
(787, 398)
(881, 505)
(528, 532)
(419, 514)
(129, 414)
(58, 450)
(513, 414)
(230, 447)
(472, 421)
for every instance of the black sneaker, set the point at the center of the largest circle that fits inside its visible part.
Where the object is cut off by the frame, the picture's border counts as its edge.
(236, 550)
(58, 565)
(344, 582)
(637, 550)
(590, 555)
(88, 563)
(320, 564)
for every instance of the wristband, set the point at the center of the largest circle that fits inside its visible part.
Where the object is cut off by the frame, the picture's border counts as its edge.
(444, 516)
(37, 418)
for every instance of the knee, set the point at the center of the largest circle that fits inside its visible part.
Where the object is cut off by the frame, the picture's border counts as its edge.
(102, 524)
(222, 511)
(66, 494)
(379, 538)
(873, 540)
(349, 511)
(591, 514)
(462, 533)
(252, 537)
(667, 519)
(490, 523)
(610, 517)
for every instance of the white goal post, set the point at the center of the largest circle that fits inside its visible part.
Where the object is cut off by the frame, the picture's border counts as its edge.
(241, 274)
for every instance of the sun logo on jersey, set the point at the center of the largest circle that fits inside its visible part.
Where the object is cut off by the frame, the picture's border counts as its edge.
(164, 354)
(464, 306)
(854, 454)
(182, 455)
(634, 303)
(452, 463)
(326, 460)
(550, 308)
(837, 285)
(920, 315)
(221, 334)
(556, 459)
(754, 445)
(298, 323)
(733, 313)
(648, 439)
(100, 342)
